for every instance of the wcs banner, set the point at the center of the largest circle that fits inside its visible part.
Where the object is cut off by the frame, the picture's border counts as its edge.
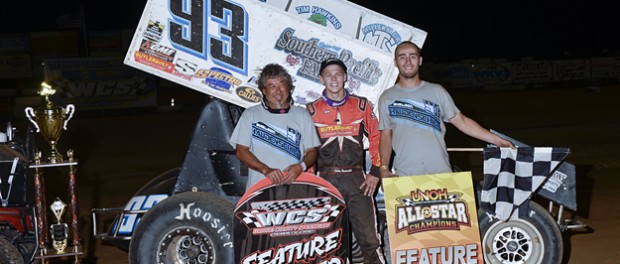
(432, 219)
(304, 222)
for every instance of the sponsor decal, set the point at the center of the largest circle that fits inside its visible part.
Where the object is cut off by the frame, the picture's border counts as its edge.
(288, 144)
(140, 202)
(555, 181)
(187, 212)
(339, 131)
(426, 115)
(248, 94)
(184, 69)
(153, 31)
(157, 50)
(381, 36)
(218, 78)
(313, 52)
(319, 15)
(155, 55)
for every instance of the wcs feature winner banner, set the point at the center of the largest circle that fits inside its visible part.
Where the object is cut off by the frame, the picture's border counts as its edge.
(218, 47)
(304, 222)
(432, 219)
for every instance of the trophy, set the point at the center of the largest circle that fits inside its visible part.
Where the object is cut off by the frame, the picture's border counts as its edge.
(60, 230)
(50, 120)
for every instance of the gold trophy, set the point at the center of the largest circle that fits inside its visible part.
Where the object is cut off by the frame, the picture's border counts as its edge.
(50, 121)
(60, 230)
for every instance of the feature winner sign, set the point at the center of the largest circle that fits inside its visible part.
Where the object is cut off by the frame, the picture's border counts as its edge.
(432, 219)
(218, 47)
(303, 222)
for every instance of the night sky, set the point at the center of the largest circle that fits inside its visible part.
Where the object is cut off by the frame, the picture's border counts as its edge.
(457, 30)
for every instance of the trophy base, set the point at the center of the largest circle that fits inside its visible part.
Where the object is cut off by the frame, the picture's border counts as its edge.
(69, 251)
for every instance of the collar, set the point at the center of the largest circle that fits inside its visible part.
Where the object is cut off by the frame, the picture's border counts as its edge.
(333, 103)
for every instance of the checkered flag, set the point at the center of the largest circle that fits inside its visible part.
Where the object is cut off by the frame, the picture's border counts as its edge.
(511, 176)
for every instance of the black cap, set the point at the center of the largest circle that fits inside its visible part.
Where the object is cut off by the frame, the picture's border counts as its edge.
(332, 61)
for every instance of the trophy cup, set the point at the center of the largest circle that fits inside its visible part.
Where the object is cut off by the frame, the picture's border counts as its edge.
(60, 230)
(50, 120)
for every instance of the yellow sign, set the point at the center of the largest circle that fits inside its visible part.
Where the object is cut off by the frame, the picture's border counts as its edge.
(432, 219)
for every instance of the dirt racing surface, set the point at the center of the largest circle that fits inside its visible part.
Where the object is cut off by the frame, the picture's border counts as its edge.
(119, 152)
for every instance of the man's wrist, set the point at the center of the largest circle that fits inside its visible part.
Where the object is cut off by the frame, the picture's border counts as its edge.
(303, 166)
(383, 167)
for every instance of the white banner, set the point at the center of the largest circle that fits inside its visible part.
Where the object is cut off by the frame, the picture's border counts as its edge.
(218, 47)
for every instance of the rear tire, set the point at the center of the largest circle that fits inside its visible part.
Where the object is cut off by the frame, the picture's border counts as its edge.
(532, 239)
(191, 227)
(9, 253)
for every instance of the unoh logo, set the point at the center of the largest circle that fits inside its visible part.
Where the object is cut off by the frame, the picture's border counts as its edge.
(217, 78)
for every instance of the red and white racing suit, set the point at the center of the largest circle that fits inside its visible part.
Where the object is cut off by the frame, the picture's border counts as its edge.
(341, 128)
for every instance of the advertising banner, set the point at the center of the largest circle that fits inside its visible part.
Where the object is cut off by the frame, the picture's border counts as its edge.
(218, 48)
(100, 83)
(432, 219)
(303, 222)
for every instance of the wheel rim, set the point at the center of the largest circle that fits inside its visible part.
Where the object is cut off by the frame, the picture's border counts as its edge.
(186, 245)
(514, 242)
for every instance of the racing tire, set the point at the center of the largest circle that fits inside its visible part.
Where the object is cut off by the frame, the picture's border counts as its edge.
(9, 253)
(190, 227)
(533, 239)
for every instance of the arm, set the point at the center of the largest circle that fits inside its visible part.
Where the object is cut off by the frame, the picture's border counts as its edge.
(385, 152)
(475, 130)
(371, 127)
(293, 170)
(244, 155)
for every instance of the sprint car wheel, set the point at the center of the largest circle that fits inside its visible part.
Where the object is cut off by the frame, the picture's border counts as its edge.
(533, 239)
(192, 227)
(9, 253)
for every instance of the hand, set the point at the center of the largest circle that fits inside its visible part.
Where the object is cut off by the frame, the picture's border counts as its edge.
(385, 173)
(369, 185)
(275, 175)
(502, 143)
(292, 172)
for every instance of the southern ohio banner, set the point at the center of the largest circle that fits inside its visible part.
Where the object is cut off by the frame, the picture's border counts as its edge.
(432, 219)
(304, 222)
(219, 47)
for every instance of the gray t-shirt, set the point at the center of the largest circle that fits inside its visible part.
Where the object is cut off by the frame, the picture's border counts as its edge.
(416, 117)
(278, 140)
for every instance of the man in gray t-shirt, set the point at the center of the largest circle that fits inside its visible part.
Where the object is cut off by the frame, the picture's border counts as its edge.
(412, 117)
(276, 137)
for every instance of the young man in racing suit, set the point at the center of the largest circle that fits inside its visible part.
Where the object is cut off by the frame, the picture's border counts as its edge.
(342, 120)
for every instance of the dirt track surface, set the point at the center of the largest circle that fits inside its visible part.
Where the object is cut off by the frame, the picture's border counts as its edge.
(119, 153)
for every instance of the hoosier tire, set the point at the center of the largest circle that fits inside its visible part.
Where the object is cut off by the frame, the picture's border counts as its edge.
(533, 239)
(9, 253)
(191, 227)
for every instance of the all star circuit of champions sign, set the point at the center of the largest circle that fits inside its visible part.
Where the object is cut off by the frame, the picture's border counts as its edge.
(432, 219)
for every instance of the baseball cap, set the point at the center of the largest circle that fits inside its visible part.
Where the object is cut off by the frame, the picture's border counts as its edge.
(332, 61)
